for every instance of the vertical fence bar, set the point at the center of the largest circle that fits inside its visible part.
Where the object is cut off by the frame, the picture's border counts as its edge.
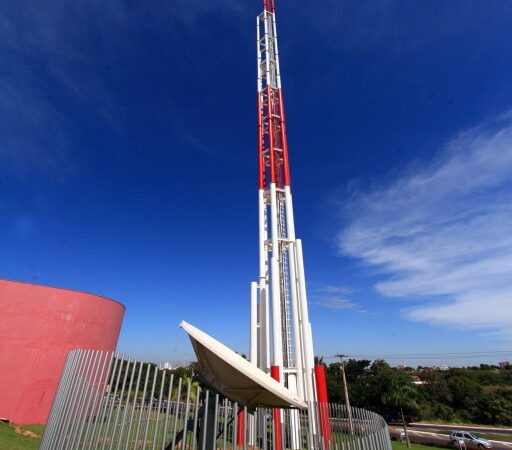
(356, 441)
(234, 433)
(126, 406)
(88, 396)
(150, 407)
(374, 430)
(102, 406)
(82, 401)
(225, 424)
(112, 398)
(176, 414)
(52, 427)
(381, 442)
(364, 429)
(185, 423)
(332, 425)
(370, 434)
(336, 426)
(256, 428)
(118, 410)
(215, 421)
(361, 441)
(167, 409)
(105, 399)
(204, 422)
(339, 415)
(134, 405)
(71, 399)
(76, 395)
(157, 422)
(266, 417)
(97, 393)
(196, 418)
(143, 401)
(350, 435)
(58, 403)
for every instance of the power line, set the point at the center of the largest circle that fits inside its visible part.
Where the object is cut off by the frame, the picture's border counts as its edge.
(442, 355)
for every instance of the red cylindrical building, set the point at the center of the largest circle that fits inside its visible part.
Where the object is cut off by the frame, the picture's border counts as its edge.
(39, 325)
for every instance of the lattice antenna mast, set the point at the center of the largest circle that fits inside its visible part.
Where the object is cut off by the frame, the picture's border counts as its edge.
(281, 341)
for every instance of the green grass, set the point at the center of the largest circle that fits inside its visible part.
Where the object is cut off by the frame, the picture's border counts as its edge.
(495, 388)
(402, 446)
(10, 440)
(495, 436)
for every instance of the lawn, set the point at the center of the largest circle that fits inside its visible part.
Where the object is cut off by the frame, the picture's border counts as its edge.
(11, 440)
(495, 436)
(400, 446)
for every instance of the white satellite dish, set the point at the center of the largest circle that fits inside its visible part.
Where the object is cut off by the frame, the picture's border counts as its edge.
(236, 378)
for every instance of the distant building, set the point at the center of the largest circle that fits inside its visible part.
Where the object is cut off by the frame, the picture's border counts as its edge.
(417, 380)
(444, 367)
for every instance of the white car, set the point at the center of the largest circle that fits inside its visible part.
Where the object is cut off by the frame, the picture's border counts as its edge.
(469, 439)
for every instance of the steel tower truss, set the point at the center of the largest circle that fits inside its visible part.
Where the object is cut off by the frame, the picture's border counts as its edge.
(281, 341)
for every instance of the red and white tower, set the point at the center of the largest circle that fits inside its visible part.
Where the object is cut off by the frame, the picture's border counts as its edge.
(281, 342)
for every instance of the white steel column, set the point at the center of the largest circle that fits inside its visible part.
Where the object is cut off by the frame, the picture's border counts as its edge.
(306, 326)
(277, 338)
(253, 353)
(264, 313)
(294, 294)
(267, 55)
(276, 52)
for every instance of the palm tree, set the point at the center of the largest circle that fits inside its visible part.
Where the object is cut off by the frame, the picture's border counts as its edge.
(401, 395)
(186, 381)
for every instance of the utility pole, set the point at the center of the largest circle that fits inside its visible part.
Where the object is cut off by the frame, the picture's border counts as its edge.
(345, 388)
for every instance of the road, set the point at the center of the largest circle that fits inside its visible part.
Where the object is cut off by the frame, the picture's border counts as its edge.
(476, 429)
(429, 437)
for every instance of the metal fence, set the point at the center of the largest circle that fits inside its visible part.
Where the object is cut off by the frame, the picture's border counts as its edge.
(106, 401)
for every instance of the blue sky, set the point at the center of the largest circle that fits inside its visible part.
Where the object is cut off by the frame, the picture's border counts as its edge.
(128, 166)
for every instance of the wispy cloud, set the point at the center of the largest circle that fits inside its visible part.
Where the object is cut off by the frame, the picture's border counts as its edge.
(334, 298)
(397, 25)
(77, 54)
(440, 233)
(32, 134)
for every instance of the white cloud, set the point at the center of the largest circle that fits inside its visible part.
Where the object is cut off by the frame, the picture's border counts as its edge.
(337, 303)
(334, 298)
(441, 232)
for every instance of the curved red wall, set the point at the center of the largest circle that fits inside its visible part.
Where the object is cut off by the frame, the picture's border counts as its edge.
(38, 326)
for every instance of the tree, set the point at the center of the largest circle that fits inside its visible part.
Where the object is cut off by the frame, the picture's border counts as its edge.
(495, 408)
(355, 371)
(194, 385)
(401, 394)
(466, 394)
(435, 396)
(318, 360)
